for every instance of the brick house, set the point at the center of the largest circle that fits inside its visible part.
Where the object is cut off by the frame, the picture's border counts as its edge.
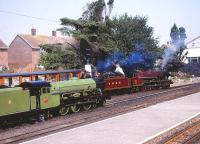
(3, 55)
(24, 50)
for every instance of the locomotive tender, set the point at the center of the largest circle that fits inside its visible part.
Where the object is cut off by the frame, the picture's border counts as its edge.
(39, 98)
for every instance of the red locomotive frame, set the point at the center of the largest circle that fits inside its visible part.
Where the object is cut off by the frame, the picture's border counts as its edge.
(142, 80)
(118, 82)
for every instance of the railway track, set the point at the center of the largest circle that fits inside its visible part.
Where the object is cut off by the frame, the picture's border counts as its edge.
(189, 135)
(188, 132)
(146, 96)
(112, 108)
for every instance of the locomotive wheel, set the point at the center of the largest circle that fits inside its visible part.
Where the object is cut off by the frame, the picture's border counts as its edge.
(94, 105)
(144, 88)
(87, 106)
(166, 86)
(41, 117)
(101, 102)
(75, 108)
(64, 110)
(3, 124)
(47, 114)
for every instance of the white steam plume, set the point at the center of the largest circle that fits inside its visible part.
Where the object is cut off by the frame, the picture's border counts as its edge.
(170, 52)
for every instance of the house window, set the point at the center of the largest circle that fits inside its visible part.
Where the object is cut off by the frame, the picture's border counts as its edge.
(189, 59)
(193, 44)
(194, 59)
(198, 59)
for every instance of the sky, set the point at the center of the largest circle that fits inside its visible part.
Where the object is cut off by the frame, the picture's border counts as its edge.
(44, 15)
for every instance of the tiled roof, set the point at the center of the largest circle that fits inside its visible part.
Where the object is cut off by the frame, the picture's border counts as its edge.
(193, 40)
(35, 40)
(195, 43)
(3, 45)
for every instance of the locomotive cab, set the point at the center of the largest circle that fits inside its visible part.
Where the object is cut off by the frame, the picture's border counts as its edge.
(35, 84)
(36, 88)
(40, 97)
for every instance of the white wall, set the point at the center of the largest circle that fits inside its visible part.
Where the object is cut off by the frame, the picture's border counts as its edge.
(193, 49)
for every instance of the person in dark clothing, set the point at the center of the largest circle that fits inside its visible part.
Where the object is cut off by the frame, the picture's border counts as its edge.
(82, 74)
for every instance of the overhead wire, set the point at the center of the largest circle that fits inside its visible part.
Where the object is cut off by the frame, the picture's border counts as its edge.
(24, 15)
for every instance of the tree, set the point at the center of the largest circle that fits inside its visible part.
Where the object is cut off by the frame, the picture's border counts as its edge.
(178, 36)
(182, 37)
(56, 55)
(97, 11)
(93, 31)
(101, 37)
(4, 69)
(134, 36)
(172, 58)
(174, 34)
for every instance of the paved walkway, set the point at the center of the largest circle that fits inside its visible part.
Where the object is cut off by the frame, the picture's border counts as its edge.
(130, 128)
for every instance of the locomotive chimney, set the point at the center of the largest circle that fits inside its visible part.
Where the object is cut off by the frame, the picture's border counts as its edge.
(33, 31)
(54, 33)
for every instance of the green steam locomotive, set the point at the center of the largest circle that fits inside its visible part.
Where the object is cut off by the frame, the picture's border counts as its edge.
(41, 99)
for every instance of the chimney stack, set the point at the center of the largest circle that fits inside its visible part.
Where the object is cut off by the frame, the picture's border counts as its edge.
(33, 31)
(54, 33)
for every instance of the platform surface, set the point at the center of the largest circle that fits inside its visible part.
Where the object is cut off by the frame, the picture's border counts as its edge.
(130, 128)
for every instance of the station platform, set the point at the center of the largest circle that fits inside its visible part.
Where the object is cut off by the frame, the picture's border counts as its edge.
(130, 128)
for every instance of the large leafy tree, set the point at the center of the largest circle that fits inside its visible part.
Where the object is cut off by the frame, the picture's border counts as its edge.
(56, 55)
(92, 30)
(129, 31)
(102, 38)
(134, 36)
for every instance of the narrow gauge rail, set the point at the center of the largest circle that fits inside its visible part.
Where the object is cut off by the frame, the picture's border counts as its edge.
(187, 132)
(105, 112)
(194, 139)
(187, 136)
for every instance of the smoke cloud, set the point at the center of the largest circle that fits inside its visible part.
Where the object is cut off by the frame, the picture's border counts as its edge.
(171, 51)
(140, 58)
(128, 62)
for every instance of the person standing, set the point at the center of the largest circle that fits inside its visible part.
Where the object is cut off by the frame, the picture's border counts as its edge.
(119, 70)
